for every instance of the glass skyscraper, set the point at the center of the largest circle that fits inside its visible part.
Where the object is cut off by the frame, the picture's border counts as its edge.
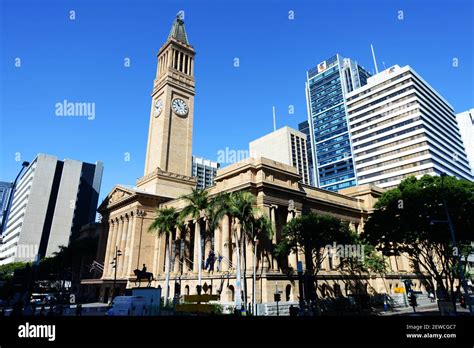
(330, 145)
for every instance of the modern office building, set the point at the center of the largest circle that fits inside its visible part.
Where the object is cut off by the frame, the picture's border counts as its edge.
(285, 145)
(204, 171)
(400, 126)
(53, 200)
(5, 190)
(466, 127)
(331, 152)
(303, 127)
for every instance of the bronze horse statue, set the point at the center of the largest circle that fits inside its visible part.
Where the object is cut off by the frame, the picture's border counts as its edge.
(143, 275)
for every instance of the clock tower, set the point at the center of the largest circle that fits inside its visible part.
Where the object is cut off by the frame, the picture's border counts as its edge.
(170, 134)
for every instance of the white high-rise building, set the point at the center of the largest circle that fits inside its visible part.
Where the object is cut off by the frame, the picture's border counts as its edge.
(400, 126)
(466, 126)
(204, 171)
(52, 201)
(285, 145)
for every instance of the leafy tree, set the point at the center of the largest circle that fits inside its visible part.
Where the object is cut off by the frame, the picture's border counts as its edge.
(311, 233)
(6, 277)
(6, 271)
(411, 219)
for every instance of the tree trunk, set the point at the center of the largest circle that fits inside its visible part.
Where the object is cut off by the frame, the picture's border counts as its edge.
(254, 290)
(167, 270)
(199, 236)
(244, 265)
(238, 285)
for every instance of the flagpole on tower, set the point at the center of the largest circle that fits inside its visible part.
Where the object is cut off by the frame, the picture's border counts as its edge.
(375, 61)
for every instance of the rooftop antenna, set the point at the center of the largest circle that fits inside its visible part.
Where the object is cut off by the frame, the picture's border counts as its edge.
(375, 61)
(274, 120)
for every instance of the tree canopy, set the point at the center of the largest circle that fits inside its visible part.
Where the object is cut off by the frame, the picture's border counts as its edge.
(412, 219)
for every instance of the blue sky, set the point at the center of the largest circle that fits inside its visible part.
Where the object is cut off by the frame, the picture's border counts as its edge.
(82, 60)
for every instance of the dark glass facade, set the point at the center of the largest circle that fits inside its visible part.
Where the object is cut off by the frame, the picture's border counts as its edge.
(327, 85)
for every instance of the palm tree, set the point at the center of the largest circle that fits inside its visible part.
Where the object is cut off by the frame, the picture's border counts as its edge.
(261, 229)
(198, 203)
(242, 208)
(166, 221)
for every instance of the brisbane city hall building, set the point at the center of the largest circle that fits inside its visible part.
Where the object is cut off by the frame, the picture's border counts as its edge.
(127, 212)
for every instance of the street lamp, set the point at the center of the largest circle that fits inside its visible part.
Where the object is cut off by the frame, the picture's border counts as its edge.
(6, 212)
(453, 238)
(115, 263)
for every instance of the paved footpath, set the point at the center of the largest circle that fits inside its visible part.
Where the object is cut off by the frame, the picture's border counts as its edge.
(428, 309)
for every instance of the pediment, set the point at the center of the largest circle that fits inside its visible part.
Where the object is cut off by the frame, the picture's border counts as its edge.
(117, 195)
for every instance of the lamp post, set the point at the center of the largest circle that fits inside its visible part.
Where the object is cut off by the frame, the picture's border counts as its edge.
(453, 238)
(6, 212)
(115, 263)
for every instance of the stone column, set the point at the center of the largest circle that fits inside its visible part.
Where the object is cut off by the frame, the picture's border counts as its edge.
(177, 249)
(156, 256)
(123, 240)
(126, 253)
(207, 242)
(273, 209)
(233, 229)
(218, 239)
(161, 254)
(225, 243)
(137, 241)
(249, 254)
(187, 250)
(265, 256)
(117, 243)
(113, 243)
(197, 235)
(235, 241)
(293, 257)
(108, 248)
(300, 250)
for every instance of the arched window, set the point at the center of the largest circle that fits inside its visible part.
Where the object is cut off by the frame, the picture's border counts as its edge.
(186, 290)
(288, 293)
(323, 290)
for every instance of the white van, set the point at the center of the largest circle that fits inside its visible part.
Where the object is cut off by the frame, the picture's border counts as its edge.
(129, 306)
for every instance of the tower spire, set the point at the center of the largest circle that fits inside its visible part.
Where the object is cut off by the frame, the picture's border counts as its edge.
(178, 32)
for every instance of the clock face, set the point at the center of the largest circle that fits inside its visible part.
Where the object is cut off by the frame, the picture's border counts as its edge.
(180, 107)
(158, 108)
